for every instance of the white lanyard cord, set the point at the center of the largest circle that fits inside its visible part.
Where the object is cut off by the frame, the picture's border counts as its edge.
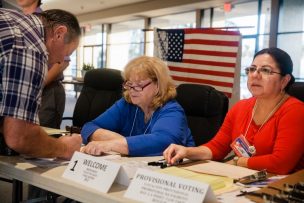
(134, 123)
(268, 116)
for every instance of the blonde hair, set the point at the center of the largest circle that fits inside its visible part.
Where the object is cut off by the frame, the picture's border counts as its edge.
(157, 71)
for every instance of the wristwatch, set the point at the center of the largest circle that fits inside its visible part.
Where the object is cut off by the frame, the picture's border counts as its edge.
(235, 160)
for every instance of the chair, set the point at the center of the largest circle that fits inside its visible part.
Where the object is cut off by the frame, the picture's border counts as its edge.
(297, 90)
(101, 88)
(205, 108)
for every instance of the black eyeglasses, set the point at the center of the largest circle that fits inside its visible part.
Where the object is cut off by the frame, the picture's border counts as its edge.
(265, 70)
(137, 88)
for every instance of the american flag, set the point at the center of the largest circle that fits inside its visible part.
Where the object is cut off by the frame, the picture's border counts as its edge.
(203, 56)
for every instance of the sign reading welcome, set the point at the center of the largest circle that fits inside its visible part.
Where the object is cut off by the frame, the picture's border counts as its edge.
(91, 171)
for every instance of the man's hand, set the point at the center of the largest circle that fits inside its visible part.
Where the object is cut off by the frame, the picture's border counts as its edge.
(72, 144)
(30, 139)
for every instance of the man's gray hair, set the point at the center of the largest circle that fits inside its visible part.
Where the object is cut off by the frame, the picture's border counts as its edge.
(55, 17)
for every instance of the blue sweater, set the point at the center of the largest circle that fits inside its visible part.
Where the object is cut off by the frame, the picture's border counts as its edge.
(167, 125)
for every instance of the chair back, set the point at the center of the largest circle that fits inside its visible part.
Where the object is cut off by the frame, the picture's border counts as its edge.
(101, 88)
(297, 90)
(205, 108)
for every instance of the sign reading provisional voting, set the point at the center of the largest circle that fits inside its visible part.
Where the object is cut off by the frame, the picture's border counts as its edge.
(91, 171)
(149, 186)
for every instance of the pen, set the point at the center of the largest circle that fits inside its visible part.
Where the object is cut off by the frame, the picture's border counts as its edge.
(163, 163)
(73, 129)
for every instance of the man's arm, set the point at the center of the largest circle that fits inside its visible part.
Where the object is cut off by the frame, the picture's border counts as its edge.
(30, 139)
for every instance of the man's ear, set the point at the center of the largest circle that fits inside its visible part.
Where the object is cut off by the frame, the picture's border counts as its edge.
(59, 32)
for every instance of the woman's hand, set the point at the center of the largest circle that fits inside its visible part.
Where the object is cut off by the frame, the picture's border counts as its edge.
(242, 161)
(118, 145)
(96, 148)
(174, 153)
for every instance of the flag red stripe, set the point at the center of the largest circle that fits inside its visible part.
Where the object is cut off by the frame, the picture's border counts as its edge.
(212, 42)
(211, 63)
(203, 81)
(199, 71)
(211, 31)
(228, 94)
(210, 53)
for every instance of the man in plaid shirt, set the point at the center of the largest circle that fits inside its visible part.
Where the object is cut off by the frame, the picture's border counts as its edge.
(28, 43)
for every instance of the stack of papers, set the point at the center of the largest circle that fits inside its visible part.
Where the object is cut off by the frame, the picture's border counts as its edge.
(45, 162)
(53, 131)
(218, 175)
(215, 182)
(221, 169)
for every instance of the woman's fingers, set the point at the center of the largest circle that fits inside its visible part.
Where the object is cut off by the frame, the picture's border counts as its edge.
(174, 153)
(93, 148)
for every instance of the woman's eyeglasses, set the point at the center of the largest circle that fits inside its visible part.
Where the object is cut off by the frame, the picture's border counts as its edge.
(263, 70)
(137, 88)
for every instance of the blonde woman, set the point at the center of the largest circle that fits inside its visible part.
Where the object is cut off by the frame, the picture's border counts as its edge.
(146, 120)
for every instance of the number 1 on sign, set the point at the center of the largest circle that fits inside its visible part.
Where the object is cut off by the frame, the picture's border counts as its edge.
(75, 163)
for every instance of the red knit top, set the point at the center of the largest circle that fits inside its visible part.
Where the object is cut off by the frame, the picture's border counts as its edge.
(279, 143)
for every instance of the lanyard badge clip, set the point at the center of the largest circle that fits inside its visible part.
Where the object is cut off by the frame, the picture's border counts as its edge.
(242, 148)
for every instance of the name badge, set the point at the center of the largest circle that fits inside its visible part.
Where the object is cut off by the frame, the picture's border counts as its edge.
(149, 186)
(91, 171)
(242, 148)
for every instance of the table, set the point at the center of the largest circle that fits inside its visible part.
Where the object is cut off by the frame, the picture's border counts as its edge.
(50, 179)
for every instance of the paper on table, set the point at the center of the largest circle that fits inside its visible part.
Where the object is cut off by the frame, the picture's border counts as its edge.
(221, 169)
(216, 182)
(53, 131)
(46, 162)
(129, 166)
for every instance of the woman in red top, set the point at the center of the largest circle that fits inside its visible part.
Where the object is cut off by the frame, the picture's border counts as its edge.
(265, 131)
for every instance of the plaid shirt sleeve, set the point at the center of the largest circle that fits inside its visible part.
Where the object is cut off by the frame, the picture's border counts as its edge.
(23, 65)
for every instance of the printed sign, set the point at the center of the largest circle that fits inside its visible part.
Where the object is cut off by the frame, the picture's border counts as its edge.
(92, 171)
(149, 186)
